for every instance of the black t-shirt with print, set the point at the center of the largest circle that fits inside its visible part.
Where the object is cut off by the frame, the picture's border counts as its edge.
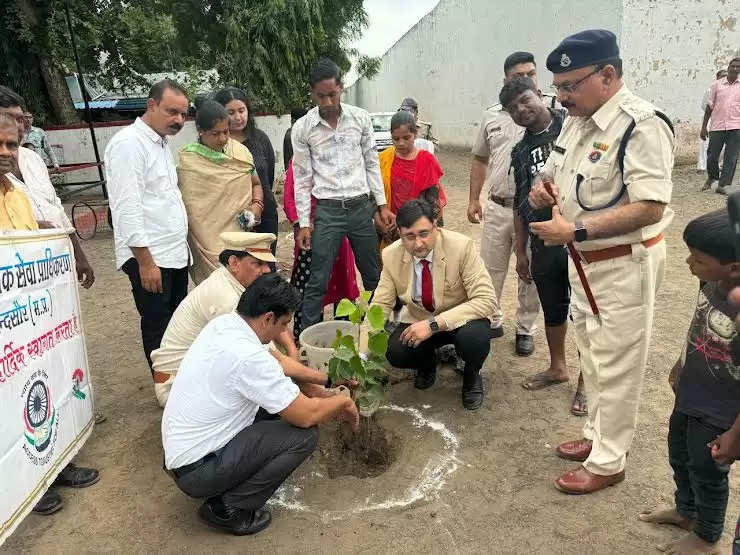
(708, 385)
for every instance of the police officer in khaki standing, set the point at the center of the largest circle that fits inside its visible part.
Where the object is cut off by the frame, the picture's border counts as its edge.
(491, 163)
(614, 207)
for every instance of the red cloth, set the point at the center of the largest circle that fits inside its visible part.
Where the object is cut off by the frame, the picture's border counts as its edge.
(427, 293)
(342, 279)
(410, 177)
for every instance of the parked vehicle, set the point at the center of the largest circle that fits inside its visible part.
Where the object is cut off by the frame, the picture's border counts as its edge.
(382, 129)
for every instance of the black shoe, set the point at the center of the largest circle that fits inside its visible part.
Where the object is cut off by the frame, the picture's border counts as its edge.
(497, 332)
(49, 503)
(77, 477)
(239, 522)
(524, 345)
(425, 379)
(472, 393)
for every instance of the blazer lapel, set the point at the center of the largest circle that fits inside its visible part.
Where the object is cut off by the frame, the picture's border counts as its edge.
(439, 263)
(407, 276)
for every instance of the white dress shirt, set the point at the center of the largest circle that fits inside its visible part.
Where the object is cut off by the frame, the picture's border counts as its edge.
(418, 268)
(336, 163)
(145, 201)
(225, 377)
(36, 184)
(424, 144)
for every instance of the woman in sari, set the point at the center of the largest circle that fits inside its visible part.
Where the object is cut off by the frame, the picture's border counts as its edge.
(243, 129)
(408, 172)
(342, 279)
(218, 184)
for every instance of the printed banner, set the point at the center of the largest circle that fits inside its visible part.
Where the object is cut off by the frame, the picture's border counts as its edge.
(46, 405)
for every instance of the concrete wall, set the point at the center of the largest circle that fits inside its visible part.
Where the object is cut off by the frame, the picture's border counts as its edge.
(671, 52)
(76, 145)
(451, 62)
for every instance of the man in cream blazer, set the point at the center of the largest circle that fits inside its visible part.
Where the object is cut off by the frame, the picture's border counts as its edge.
(447, 298)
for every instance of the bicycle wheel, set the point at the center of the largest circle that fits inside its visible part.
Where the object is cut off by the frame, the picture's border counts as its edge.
(84, 220)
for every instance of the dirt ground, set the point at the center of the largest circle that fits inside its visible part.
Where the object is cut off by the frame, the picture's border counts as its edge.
(462, 482)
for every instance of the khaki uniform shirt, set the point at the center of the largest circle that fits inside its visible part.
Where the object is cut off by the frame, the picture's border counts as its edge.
(496, 137)
(216, 295)
(588, 147)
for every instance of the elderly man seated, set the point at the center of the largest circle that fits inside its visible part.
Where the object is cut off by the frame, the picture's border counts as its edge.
(246, 256)
(447, 297)
(222, 439)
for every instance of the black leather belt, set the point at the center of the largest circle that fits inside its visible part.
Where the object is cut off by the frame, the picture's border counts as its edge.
(181, 471)
(344, 203)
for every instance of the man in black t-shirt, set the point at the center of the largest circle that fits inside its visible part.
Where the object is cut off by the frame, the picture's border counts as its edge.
(549, 265)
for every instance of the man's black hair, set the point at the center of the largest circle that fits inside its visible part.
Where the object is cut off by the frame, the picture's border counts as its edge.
(297, 113)
(512, 89)
(227, 94)
(413, 210)
(616, 62)
(269, 293)
(720, 73)
(209, 113)
(223, 258)
(517, 58)
(402, 117)
(737, 59)
(324, 69)
(712, 234)
(10, 99)
(159, 87)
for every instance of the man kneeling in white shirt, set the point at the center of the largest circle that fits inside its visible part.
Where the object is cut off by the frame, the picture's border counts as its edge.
(221, 440)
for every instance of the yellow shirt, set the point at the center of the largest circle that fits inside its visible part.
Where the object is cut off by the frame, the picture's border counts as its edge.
(15, 210)
(586, 153)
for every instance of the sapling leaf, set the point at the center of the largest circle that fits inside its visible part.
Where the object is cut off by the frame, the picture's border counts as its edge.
(356, 316)
(349, 342)
(365, 296)
(345, 308)
(335, 343)
(378, 343)
(375, 317)
(357, 368)
(334, 369)
(342, 352)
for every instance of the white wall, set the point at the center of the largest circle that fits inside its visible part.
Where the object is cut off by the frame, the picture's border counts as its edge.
(451, 62)
(77, 145)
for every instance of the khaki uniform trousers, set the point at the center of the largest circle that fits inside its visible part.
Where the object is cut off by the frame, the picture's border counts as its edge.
(614, 352)
(496, 246)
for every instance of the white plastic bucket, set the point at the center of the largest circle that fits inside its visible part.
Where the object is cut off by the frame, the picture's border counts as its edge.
(316, 341)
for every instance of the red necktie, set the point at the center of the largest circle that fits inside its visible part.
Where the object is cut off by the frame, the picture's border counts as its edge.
(427, 293)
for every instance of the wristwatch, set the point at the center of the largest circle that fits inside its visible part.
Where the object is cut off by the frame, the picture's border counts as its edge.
(433, 325)
(580, 234)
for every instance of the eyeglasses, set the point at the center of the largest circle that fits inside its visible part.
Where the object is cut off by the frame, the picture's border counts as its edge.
(421, 235)
(571, 87)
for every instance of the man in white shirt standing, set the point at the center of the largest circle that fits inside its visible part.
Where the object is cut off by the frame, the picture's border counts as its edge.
(221, 435)
(334, 160)
(150, 225)
(32, 177)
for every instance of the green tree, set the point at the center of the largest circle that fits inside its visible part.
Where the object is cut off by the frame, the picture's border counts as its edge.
(268, 46)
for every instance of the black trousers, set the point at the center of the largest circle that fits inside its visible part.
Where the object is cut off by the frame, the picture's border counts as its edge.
(702, 488)
(156, 309)
(731, 141)
(549, 268)
(472, 344)
(250, 467)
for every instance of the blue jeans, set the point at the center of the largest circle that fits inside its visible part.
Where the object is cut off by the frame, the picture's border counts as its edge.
(702, 489)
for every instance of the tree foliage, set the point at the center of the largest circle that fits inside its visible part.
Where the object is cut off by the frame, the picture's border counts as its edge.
(263, 46)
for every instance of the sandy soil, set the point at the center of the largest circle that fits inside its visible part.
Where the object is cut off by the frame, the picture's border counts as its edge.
(474, 481)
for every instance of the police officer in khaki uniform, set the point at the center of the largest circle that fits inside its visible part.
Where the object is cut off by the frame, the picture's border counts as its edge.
(491, 165)
(614, 207)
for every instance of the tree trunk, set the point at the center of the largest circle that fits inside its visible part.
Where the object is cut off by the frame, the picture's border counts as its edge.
(58, 92)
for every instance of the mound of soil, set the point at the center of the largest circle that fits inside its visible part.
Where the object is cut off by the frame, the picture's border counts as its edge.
(365, 454)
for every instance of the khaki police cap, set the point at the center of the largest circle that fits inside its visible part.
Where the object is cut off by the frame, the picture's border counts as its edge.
(255, 244)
